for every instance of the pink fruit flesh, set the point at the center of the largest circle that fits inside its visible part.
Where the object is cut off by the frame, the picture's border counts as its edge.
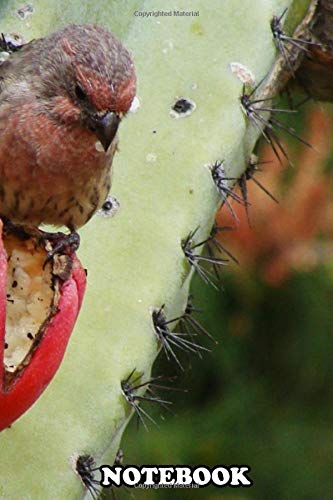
(38, 311)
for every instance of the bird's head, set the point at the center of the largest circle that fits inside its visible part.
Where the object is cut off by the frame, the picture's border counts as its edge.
(87, 77)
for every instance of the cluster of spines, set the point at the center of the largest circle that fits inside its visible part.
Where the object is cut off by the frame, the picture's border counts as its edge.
(263, 115)
(136, 391)
(9, 43)
(193, 254)
(283, 42)
(87, 468)
(183, 339)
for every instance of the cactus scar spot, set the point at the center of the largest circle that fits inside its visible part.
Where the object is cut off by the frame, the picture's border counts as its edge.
(182, 107)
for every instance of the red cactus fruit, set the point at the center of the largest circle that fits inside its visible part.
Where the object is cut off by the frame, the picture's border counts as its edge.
(39, 305)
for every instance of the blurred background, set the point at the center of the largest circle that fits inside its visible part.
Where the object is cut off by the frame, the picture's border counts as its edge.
(263, 395)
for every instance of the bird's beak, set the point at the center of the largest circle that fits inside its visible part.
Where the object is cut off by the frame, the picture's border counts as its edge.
(105, 128)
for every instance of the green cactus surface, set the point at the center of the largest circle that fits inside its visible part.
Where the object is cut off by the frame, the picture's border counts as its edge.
(165, 190)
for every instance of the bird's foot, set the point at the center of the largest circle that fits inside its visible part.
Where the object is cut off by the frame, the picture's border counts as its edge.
(56, 244)
(61, 243)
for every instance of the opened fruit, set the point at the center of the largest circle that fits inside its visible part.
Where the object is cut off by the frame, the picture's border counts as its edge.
(39, 303)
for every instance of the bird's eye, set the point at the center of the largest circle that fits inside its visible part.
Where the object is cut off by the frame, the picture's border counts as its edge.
(80, 93)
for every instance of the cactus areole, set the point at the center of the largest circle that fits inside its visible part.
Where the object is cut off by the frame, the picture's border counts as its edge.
(39, 304)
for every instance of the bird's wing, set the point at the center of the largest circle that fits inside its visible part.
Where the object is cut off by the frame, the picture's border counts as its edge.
(15, 91)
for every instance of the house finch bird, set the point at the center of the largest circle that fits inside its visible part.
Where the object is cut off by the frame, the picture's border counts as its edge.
(62, 98)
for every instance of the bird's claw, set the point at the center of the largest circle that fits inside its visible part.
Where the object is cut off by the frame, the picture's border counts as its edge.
(61, 244)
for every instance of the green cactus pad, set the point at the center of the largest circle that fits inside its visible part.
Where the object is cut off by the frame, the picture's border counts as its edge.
(135, 261)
